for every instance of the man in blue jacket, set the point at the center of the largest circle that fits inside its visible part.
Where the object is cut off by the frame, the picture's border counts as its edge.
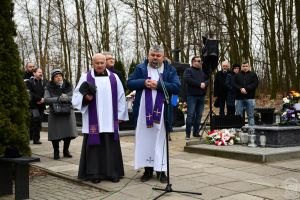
(148, 110)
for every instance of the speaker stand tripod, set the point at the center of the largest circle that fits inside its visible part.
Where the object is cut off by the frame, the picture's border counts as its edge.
(210, 114)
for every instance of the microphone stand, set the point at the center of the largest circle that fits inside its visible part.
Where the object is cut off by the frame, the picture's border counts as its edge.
(168, 188)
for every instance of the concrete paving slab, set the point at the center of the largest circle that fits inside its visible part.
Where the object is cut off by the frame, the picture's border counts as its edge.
(242, 186)
(237, 164)
(267, 181)
(264, 170)
(240, 175)
(215, 177)
(275, 194)
(213, 192)
(242, 196)
(288, 175)
(62, 168)
(293, 164)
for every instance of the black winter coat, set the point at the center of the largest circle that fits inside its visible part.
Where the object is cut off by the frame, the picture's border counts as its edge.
(230, 91)
(247, 80)
(193, 77)
(220, 89)
(36, 90)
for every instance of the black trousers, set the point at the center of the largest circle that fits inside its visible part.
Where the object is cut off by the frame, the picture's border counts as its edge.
(230, 110)
(35, 127)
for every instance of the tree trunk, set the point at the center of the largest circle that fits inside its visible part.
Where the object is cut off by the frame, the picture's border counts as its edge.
(105, 34)
(62, 37)
(79, 41)
(297, 9)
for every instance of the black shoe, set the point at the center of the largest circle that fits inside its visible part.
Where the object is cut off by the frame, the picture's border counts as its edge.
(114, 180)
(56, 157)
(67, 155)
(196, 135)
(146, 176)
(161, 176)
(37, 142)
(97, 180)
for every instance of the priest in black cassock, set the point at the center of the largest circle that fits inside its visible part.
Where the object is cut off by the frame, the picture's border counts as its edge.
(100, 97)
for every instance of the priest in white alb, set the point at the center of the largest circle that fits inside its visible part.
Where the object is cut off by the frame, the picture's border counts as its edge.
(148, 110)
(100, 97)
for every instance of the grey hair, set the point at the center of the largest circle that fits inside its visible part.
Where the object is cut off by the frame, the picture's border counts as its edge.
(107, 53)
(157, 48)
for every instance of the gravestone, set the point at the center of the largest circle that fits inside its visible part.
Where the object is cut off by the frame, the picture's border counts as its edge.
(266, 115)
(278, 136)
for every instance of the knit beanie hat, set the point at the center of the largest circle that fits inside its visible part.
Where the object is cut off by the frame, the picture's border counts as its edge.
(55, 72)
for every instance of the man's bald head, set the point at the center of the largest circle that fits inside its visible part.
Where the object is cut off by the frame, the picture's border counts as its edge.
(98, 62)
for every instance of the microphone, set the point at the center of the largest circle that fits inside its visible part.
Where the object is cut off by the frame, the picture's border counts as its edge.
(155, 64)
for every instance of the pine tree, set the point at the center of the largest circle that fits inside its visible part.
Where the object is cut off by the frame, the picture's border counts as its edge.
(119, 66)
(131, 67)
(14, 114)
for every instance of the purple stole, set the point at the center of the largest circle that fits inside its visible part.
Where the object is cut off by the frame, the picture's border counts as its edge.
(93, 138)
(153, 115)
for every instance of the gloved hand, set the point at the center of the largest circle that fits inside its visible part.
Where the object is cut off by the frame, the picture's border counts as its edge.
(63, 98)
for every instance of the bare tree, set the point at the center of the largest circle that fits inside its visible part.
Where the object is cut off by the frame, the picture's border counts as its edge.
(268, 11)
(79, 41)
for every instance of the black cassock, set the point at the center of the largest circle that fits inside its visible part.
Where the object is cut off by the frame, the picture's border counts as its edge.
(102, 161)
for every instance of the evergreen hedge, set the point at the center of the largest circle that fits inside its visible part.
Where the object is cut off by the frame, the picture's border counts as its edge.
(120, 67)
(131, 67)
(14, 115)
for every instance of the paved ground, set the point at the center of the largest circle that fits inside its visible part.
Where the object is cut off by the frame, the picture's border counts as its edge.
(215, 178)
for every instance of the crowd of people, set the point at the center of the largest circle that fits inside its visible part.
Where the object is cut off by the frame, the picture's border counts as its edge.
(100, 97)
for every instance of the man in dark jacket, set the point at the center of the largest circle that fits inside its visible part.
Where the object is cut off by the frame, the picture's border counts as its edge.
(220, 91)
(110, 63)
(149, 79)
(245, 84)
(29, 67)
(196, 83)
(36, 86)
(230, 101)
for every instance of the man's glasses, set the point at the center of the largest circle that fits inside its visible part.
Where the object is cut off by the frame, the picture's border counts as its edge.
(198, 61)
